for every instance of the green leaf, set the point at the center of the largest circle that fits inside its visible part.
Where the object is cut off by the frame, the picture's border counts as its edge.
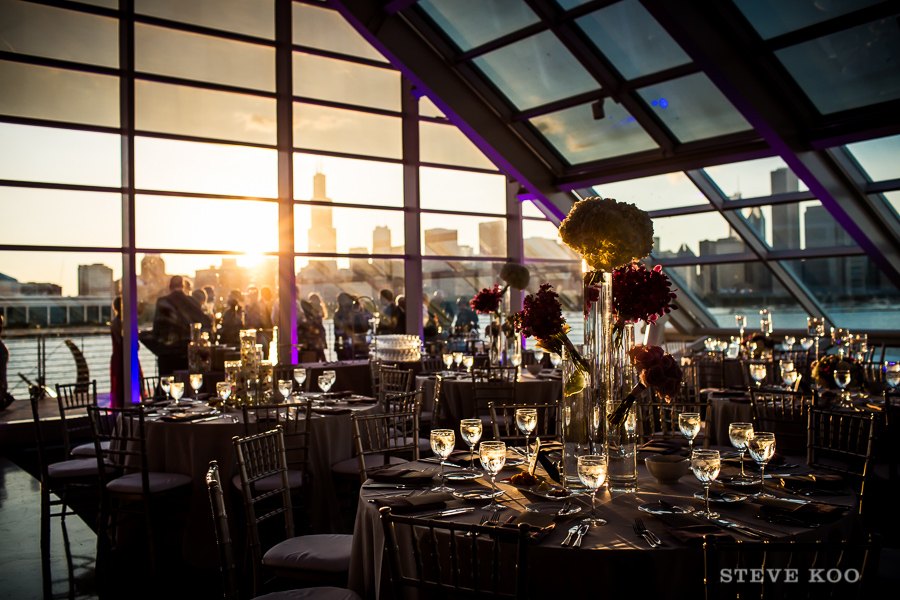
(575, 383)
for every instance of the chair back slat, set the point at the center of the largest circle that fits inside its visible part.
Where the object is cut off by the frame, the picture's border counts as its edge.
(389, 435)
(494, 384)
(151, 388)
(785, 415)
(120, 440)
(505, 428)
(75, 397)
(393, 381)
(295, 421)
(223, 532)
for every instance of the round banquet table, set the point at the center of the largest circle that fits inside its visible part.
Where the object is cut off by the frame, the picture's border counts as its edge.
(187, 448)
(612, 558)
(458, 397)
(724, 410)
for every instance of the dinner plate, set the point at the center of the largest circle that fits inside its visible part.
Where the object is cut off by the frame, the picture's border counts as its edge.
(462, 475)
(514, 462)
(553, 508)
(484, 494)
(722, 496)
(654, 508)
(546, 494)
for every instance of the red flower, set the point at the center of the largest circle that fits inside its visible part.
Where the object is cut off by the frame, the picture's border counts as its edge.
(541, 316)
(641, 294)
(487, 301)
(657, 369)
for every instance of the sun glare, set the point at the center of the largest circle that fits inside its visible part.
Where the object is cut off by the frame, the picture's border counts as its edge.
(250, 259)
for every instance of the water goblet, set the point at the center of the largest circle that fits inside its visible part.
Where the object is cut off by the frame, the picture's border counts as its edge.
(738, 434)
(515, 359)
(689, 424)
(493, 457)
(468, 361)
(471, 430)
(842, 378)
(757, 372)
(538, 354)
(526, 420)
(457, 359)
(166, 384)
(300, 376)
(325, 382)
(284, 388)
(223, 390)
(706, 465)
(721, 345)
(196, 380)
(555, 360)
(442, 443)
(710, 344)
(447, 357)
(806, 343)
(177, 389)
(762, 449)
(592, 471)
(789, 342)
(891, 374)
(789, 376)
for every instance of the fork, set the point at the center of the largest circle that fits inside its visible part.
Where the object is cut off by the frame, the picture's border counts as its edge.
(642, 531)
(484, 520)
(653, 536)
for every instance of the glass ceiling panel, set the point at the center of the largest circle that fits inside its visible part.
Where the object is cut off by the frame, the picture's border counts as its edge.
(632, 39)
(471, 23)
(771, 18)
(748, 179)
(800, 225)
(579, 138)
(893, 198)
(536, 71)
(880, 158)
(570, 4)
(693, 108)
(328, 30)
(530, 210)
(704, 234)
(852, 289)
(252, 17)
(849, 69)
(427, 108)
(672, 190)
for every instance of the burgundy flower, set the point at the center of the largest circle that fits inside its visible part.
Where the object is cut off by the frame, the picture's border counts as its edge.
(541, 317)
(487, 301)
(658, 369)
(641, 294)
(645, 357)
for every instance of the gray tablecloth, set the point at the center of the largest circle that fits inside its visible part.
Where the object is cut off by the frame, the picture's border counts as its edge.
(724, 411)
(612, 558)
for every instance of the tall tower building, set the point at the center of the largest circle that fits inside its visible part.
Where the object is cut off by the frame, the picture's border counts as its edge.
(322, 234)
(785, 217)
(95, 280)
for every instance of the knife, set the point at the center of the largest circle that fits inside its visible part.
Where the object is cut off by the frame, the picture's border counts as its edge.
(581, 531)
(748, 531)
(445, 513)
(213, 418)
(572, 531)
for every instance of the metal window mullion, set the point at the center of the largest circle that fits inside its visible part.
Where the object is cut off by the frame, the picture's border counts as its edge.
(412, 222)
(515, 245)
(861, 180)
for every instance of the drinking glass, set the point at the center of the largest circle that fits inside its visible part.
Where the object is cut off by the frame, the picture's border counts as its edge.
(734, 348)
(526, 420)
(555, 359)
(442, 443)
(471, 430)
(223, 390)
(789, 376)
(842, 378)
(762, 448)
(891, 374)
(332, 376)
(284, 387)
(457, 359)
(515, 360)
(166, 384)
(710, 344)
(741, 321)
(758, 373)
(325, 382)
(806, 343)
(738, 434)
(789, 342)
(721, 345)
(448, 360)
(706, 465)
(196, 382)
(538, 354)
(592, 470)
(689, 424)
(468, 361)
(177, 389)
(815, 327)
(300, 376)
(493, 457)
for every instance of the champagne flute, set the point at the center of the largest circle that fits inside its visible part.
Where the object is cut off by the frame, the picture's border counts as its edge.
(166, 384)
(706, 465)
(177, 389)
(471, 430)
(468, 361)
(689, 424)
(442, 443)
(284, 387)
(300, 376)
(555, 360)
(592, 470)
(223, 390)
(526, 420)
(457, 359)
(738, 434)
(448, 360)
(758, 373)
(493, 457)
(196, 380)
(891, 374)
(762, 449)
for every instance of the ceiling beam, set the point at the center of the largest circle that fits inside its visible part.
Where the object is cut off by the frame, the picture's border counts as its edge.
(427, 69)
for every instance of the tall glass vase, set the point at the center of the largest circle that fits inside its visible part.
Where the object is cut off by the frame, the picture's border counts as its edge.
(598, 313)
(622, 439)
(495, 352)
(576, 420)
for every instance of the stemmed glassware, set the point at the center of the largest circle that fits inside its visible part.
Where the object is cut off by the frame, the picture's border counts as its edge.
(741, 321)
(757, 372)
(762, 449)
(493, 457)
(689, 424)
(842, 378)
(457, 359)
(177, 390)
(223, 390)
(468, 361)
(166, 384)
(738, 434)
(196, 380)
(448, 360)
(706, 465)
(789, 376)
(555, 360)
(471, 430)
(442, 444)
(300, 376)
(815, 327)
(592, 470)
(284, 388)
(789, 342)
(515, 358)
(526, 420)
(806, 343)
(538, 354)
(325, 382)
(891, 374)
(734, 348)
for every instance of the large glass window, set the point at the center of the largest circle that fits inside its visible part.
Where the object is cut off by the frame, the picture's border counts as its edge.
(444, 189)
(67, 218)
(459, 235)
(672, 190)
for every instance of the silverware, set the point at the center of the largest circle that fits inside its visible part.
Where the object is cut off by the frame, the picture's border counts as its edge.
(445, 513)
(643, 534)
(572, 531)
(580, 534)
(652, 538)
(748, 531)
(786, 520)
(565, 508)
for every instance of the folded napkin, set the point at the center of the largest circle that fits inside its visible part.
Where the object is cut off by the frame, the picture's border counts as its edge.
(409, 476)
(809, 513)
(541, 524)
(408, 504)
(777, 459)
(187, 416)
(337, 395)
(691, 531)
(332, 411)
(795, 483)
(361, 400)
(661, 447)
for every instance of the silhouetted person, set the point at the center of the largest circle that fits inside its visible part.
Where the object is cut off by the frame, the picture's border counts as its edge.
(400, 302)
(350, 327)
(232, 320)
(257, 316)
(388, 323)
(314, 335)
(466, 318)
(5, 397)
(443, 310)
(175, 314)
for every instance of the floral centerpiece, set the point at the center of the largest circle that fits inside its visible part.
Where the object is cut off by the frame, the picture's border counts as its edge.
(656, 368)
(640, 294)
(606, 233)
(541, 318)
(824, 368)
(489, 301)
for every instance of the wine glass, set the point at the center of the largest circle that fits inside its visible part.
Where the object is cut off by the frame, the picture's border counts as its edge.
(689, 424)
(555, 360)
(526, 420)
(493, 457)
(442, 444)
(177, 389)
(806, 343)
(721, 345)
(842, 378)
(741, 321)
(762, 449)
(325, 382)
(284, 388)
(706, 465)
(516, 359)
(738, 434)
(789, 376)
(300, 376)
(448, 360)
(471, 430)
(468, 361)
(166, 384)
(592, 470)
(891, 373)
(758, 372)
(710, 344)
(538, 354)
(457, 359)
(789, 342)
(196, 380)
(223, 390)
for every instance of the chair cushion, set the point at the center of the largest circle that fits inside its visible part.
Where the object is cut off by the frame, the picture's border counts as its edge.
(159, 482)
(273, 482)
(88, 449)
(327, 552)
(316, 593)
(82, 467)
(351, 465)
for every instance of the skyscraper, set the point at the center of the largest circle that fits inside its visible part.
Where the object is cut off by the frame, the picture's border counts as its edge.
(95, 280)
(785, 217)
(322, 234)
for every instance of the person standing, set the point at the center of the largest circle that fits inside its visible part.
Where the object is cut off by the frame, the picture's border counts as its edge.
(172, 323)
(5, 397)
(388, 322)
